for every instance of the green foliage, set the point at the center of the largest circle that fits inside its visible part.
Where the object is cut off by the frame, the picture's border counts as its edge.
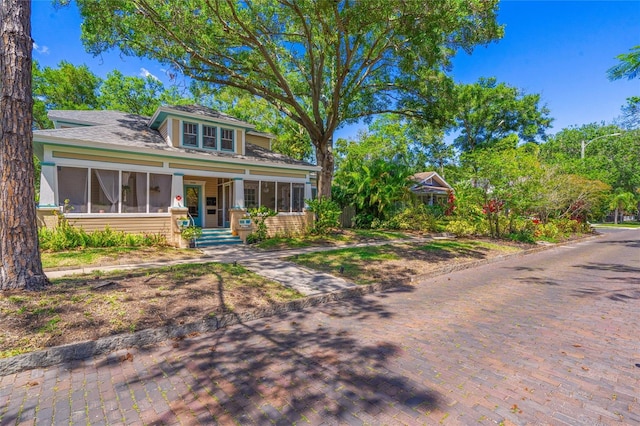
(191, 232)
(321, 63)
(628, 67)
(327, 214)
(488, 111)
(259, 216)
(66, 87)
(461, 227)
(414, 218)
(65, 237)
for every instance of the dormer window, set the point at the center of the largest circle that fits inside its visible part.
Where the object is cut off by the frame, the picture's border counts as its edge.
(226, 139)
(190, 134)
(209, 137)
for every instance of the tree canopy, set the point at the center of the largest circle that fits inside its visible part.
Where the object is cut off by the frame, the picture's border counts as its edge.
(488, 111)
(628, 67)
(322, 63)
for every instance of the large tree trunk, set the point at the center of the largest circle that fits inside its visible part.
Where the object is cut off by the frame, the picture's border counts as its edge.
(324, 157)
(20, 265)
(615, 216)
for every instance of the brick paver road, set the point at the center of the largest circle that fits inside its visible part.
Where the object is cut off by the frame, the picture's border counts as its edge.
(550, 338)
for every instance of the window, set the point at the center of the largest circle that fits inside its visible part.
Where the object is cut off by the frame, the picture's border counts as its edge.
(268, 194)
(298, 197)
(159, 193)
(226, 139)
(134, 192)
(284, 197)
(189, 134)
(112, 191)
(105, 191)
(251, 194)
(209, 137)
(72, 189)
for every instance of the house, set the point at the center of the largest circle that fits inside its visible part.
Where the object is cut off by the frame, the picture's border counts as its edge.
(430, 188)
(141, 174)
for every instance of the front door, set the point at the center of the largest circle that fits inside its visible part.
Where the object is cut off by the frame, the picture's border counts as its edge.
(193, 196)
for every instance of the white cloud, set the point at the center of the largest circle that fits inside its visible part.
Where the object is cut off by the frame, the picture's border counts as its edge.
(145, 73)
(44, 50)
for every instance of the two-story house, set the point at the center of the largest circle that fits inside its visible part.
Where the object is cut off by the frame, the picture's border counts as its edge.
(140, 174)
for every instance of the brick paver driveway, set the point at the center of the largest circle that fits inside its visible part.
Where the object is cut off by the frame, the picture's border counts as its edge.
(550, 338)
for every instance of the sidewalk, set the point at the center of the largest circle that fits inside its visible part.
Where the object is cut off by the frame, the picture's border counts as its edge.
(269, 264)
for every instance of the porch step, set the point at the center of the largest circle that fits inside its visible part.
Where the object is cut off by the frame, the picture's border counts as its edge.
(214, 237)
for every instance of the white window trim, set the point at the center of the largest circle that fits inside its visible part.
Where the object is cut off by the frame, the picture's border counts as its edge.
(200, 136)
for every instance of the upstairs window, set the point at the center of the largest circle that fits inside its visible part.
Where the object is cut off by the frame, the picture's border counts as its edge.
(209, 137)
(226, 139)
(190, 134)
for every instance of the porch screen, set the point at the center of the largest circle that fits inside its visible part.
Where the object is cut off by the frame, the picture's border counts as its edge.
(268, 194)
(298, 197)
(284, 197)
(134, 192)
(105, 191)
(159, 193)
(72, 186)
(251, 193)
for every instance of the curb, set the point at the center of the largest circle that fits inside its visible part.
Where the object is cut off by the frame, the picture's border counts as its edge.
(90, 348)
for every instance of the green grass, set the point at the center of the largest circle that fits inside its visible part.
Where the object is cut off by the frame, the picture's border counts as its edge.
(351, 259)
(345, 237)
(619, 225)
(456, 245)
(109, 255)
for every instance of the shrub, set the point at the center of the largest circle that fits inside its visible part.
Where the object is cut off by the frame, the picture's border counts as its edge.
(66, 237)
(327, 215)
(461, 227)
(416, 218)
(259, 216)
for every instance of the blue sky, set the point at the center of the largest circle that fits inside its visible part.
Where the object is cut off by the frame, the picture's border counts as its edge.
(560, 49)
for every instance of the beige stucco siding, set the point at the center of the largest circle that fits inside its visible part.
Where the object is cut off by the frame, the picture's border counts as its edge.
(187, 166)
(259, 140)
(275, 172)
(139, 161)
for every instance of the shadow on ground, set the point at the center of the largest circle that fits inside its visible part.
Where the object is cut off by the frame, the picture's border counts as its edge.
(278, 369)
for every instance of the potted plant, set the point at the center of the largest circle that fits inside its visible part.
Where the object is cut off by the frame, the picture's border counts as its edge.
(182, 222)
(191, 234)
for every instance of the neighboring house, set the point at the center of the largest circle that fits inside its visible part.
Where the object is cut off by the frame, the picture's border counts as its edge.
(430, 188)
(140, 174)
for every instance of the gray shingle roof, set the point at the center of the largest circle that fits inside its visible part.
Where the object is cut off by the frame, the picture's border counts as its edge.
(130, 130)
(93, 117)
(207, 112)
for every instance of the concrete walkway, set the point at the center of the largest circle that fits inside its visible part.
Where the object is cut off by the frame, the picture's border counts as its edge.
(269, 264)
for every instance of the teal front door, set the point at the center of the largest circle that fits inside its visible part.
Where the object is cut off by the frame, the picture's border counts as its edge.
(193, 197)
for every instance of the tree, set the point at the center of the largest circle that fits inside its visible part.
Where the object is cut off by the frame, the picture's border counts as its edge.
(133, 94)
(20, 264)
(322, 63)
(622, 202)
(628, 67)
(291, 138)
(488, 111)
(66, 87)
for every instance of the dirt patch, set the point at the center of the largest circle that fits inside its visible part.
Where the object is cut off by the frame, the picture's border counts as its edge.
(90, 307)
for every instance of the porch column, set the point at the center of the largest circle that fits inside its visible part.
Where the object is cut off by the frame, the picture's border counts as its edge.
(47, 185)
(307, 193)
(177, 190)
(238, 193)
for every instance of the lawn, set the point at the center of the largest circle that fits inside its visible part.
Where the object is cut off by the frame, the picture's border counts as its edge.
(113, 256)
(98, 305)
(619, 225)
(393, 262)
(338, 238)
